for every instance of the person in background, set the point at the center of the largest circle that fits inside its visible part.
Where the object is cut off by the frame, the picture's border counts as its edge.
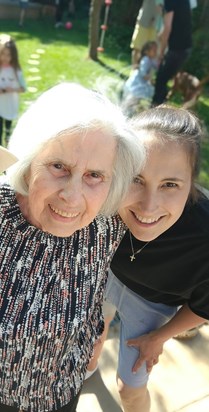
(175, 45)
(60, 8)
(159, 280)
(148, 24)
(139, 84)
(11, 84)
(77, 157)
(193, 4)
(71, 8)
(23, 7)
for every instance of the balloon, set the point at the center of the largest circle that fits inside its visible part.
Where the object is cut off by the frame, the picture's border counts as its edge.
(68, 25)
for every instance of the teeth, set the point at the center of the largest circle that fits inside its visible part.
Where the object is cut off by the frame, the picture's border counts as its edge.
(146, 220)
(63, 213)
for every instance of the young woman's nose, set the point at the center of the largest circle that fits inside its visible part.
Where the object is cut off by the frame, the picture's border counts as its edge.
(149, 201)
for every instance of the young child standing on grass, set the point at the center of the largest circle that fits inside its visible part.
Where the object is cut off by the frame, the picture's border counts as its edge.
(11, 84)
(139, 84)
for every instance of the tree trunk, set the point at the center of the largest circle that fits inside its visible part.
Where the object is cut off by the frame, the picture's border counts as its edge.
(94, 25)
(204, 20)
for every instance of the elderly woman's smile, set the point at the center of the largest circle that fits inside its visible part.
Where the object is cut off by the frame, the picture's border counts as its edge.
(62, 212)
(67, 186)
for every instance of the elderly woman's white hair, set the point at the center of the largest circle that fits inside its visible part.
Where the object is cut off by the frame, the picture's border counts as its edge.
(71, 108)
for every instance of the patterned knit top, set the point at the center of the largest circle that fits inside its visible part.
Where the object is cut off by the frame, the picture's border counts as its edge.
(51, 290)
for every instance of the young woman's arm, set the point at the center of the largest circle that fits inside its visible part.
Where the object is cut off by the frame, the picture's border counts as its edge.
(164, 35)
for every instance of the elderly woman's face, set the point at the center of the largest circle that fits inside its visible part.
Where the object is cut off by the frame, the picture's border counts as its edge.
(68, 182)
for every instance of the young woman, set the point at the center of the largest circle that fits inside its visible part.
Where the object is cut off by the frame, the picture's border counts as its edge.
(160, 273)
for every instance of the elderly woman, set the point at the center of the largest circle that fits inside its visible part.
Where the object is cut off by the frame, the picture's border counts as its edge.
(77, 159)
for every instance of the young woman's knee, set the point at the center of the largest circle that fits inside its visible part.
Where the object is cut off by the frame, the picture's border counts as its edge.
(133, 399)
(127, 391)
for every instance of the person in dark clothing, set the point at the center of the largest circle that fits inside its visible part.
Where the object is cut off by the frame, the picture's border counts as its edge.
(159, 281)
(60, 8)
(177, 38)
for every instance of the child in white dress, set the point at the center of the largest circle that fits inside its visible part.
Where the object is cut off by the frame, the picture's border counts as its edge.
(11, 84)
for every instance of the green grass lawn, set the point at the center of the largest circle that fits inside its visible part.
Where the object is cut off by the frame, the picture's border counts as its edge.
(49, 56)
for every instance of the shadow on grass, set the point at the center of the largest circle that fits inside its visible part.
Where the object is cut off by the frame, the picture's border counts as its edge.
(43, 29)
(112, 70)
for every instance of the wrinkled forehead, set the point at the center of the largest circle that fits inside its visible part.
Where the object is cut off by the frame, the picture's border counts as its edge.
(82, 145)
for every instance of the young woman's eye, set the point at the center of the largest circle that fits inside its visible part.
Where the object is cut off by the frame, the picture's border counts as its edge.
(170, 185)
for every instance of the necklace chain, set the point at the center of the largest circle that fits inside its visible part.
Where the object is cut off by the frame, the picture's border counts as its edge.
(132, 257)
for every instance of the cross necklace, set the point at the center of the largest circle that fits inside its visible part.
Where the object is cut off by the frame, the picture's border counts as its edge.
(132, 257)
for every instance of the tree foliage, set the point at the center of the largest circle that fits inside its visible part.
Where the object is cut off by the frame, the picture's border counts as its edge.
(198, 63)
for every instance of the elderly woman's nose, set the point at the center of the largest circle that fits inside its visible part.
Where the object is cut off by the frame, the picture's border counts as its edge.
(72, 189)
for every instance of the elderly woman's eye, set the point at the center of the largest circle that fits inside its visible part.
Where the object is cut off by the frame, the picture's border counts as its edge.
(137, 180)
(95, 175)
(92, 178)
(58, 169)
(58, 166)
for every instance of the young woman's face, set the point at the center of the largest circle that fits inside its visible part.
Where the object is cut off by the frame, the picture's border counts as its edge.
(158, 194)
(68, 182)
(5, 56)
